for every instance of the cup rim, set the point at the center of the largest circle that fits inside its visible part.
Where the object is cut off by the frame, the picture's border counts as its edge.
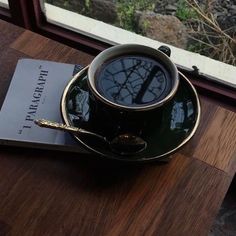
(122, 49)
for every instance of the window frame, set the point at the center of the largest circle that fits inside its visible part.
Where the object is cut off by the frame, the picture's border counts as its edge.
(5, 14)
(73, 39)
(29, 15)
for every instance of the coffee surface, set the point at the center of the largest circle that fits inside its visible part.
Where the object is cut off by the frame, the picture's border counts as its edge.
(133, 80)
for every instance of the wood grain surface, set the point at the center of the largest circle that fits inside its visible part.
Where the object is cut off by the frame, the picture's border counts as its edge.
(55, 193)
(214, 141)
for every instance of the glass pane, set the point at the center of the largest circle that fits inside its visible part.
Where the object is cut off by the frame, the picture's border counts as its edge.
(207, 28)
(204, 27)
(4, 3)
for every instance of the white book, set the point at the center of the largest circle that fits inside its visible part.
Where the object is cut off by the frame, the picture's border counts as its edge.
(35, 92)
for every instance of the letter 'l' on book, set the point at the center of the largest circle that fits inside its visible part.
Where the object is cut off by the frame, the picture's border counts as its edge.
(35, 92)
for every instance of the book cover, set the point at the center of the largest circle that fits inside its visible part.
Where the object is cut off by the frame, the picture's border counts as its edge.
(34, 93)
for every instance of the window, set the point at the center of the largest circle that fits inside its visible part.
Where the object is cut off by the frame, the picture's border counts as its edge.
(4, 10)
(4, 4)
(115, 22)
(210, 77)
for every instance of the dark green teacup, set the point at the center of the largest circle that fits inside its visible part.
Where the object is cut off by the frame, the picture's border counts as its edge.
(128, 84)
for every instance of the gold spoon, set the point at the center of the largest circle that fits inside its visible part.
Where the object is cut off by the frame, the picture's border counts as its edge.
(123, 144)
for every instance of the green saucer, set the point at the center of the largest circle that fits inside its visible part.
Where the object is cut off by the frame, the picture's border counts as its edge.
(179, 122)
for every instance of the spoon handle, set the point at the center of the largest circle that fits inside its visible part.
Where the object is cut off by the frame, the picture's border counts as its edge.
(58, 126)
(55, 125)
(122, 144)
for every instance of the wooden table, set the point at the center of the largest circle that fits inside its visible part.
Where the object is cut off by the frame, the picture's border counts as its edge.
(54, 193)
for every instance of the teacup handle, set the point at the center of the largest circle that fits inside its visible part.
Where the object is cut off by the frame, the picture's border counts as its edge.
(165, 50)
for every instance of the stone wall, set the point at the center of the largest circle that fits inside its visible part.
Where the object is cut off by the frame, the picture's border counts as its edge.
(167, 29)
(103, 10)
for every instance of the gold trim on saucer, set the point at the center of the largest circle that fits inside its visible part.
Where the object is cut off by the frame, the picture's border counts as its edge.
(67, 122)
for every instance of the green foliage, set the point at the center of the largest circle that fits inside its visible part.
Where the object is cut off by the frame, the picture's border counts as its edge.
(184, 12)
(66, 4)
(127, 12)
(87, 3)
(145, 26)
(198, 47)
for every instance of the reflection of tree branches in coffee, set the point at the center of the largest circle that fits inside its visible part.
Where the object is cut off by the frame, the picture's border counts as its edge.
(134, 80)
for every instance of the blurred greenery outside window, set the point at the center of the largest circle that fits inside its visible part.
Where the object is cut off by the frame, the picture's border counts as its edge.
(204, 26)
(4, 4)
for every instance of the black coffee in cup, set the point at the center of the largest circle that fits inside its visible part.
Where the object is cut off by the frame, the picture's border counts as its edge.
(133, 80)
(127, 85)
